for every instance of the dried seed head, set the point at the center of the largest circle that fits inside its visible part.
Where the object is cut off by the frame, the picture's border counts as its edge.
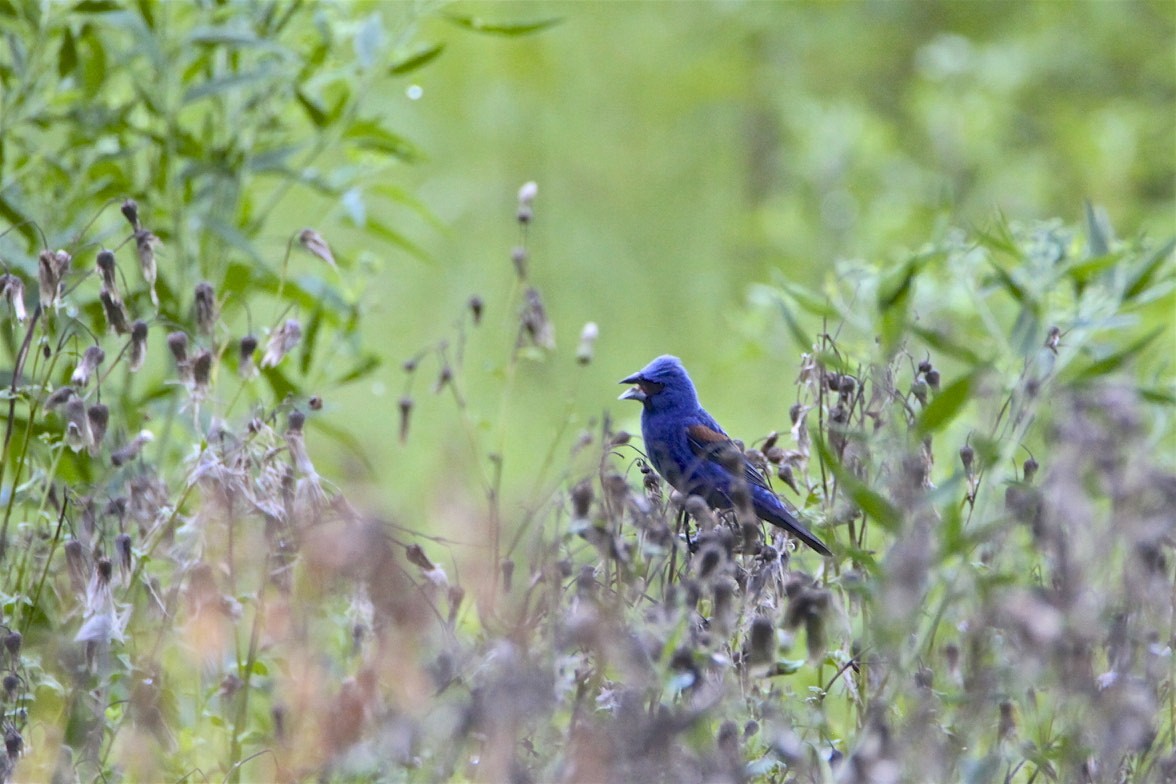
(12, 643)
(967, 456)
(104, 569)
(405, 415)
(98, 416)
(177, 343)
(770, 444)
(1008, 720)
(75, 560)
(409, 365)
(315, 403)
(52, 267)
(788, 477)
(12, 289)
(117, 317)
(476, 305)
(932, 377)
(206, 309)
(519, 257)
(295, 422)
(145, 245)
(1053, 338)
(59, 397)
(924, 367)
(1030, 469)
(130, 211)
(833, 381)
(919, 390)
(245, 366)
(91, 358)
(795, 412)
(202, 369)
(138, 345)
(281, 341)
(443, 378)
(13, 743)
(129, 452)
(582, 499)
(314, 242)
(122, 546)
(587, 347)
(11, 685)
(107, 269)
(847, 386)
(536, 326)
(761, 644)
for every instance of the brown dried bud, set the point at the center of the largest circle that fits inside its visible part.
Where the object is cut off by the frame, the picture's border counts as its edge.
(59, 397)
(52, 267)
(315, 403)
(794, 413)
(132, 449)
(296, 421)
(1053, 339)
(314, 242)
(582, 499)
(122, 546)
(206, 308)
(99, 417)
(12, 643)
(130, 211)
(405, 415)
(476, 305)
(116, 313)
(519, 257)
(847, 386)
(138, 345)
(104, 569)
(925, 367)
(770, 443)
(145, 245)
(177, 342)
(1030, 469)
(761, 644)
(245, 366)
(967, 455)
(536, 326)
(932, 377)
(92, 357)
(12, 289)
(282, 341)
(202, 369)
(107, 268)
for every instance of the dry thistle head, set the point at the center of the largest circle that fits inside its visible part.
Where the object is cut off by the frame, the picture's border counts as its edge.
(761, 641)
(52, 267)
(138, 345)
(129, 452)
(536, 326)
(145, 245)
(314, 242)
(202, 370)
(245, 366)
(177, 343)
(206, 309)
(12, 289)
(92, 357)
(130, 211)
(106, 268)
(59, 397)
(587, 347)
(281, 341)
(98, 417)
(117, 317)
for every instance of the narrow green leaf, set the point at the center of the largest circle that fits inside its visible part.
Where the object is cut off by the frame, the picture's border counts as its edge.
(97, 7)
(1140, 277)
(948, 403)
(313, 111)
(416, 60)
(870, 502)
(228, 83)
(67, 55)
(388, 234)
(369, 134)
(1098, 230)
(479, 25)
(1115, 360)
(944, 344)
(365, 367)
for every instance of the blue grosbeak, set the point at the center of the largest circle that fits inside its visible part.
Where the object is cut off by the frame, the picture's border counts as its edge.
(687, 447)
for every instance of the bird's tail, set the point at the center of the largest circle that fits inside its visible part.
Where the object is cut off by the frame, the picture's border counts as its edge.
(779, 516)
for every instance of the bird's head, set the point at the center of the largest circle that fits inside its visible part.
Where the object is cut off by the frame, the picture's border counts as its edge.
(661, 385)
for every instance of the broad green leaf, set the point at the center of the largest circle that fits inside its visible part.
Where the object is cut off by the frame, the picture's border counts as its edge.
(480, 25)
(67, 55)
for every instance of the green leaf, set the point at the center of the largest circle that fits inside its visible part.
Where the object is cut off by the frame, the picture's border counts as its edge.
(945, 405)
(388, 234)
(370, 135)
(946, 345)
(365, 367)
(1112, 362)
(97, 7)
(416, 60)
(1140, 277)
(67, 55)
(872, 503)
(313, 111)
(229, 83)
(1098, 229)
(479, 25)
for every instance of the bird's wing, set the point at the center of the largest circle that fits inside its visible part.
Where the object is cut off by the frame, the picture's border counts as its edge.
(711, 444)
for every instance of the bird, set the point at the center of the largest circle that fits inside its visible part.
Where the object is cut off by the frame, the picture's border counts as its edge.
(690, 450)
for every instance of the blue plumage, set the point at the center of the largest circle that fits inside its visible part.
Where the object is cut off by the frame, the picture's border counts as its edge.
(687, 446)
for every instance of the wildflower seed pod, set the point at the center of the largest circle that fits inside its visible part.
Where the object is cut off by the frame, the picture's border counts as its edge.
(761, 645)
(12, 643)
(12, 289)
(967, 456)
(932, 377)
(138, 345)
(92, 357)
(145, 245)
(59, 398)
(536, 325)
(476, 306)
(206, 310)
(52, 267)
(245, 366)
(582, 499)
(202, 369)
(104, 570)
(98, 417)
(117, 317)
(587, 347)
(405, 414)
(106, 269)
(316, 244)
(11, 685)
(281, 342)
(518, 257)
(122, 546)
(1030, 469)
(130, 211)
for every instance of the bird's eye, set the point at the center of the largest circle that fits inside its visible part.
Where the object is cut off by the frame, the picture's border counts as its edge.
(650, 388)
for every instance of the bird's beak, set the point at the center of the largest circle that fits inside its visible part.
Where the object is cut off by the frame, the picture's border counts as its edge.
(635, 393)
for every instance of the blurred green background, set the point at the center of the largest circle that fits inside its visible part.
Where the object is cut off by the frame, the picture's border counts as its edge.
(687, 151)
